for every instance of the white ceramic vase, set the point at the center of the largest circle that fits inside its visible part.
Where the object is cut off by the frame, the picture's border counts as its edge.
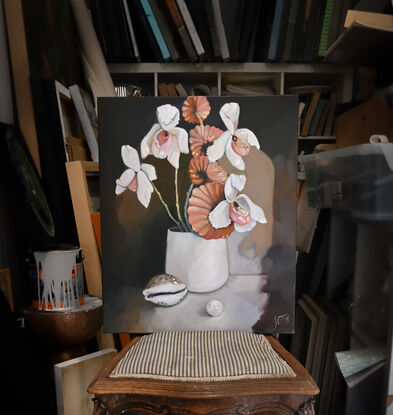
(199, 263)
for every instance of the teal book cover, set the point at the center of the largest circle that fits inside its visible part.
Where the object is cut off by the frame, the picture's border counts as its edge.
(156, 30)
(275, 30)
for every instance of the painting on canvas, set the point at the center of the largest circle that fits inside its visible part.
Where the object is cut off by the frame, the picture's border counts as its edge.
(198, 204)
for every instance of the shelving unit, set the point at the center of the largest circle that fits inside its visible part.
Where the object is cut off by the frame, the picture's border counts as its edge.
(280, 76)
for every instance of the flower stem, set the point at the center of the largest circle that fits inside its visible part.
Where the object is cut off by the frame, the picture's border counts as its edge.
(186, 207)
(182, 225)
(164, 204)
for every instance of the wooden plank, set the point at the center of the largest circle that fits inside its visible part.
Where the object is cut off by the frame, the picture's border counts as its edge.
(76, 172)
(379, 20)
(21, 76)
(90, 166)
(357, 125)
(80, 200)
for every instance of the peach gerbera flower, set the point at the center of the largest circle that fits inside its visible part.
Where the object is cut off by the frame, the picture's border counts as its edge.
(196, 109)
(203, 200)
(202, 137)
(202, 171)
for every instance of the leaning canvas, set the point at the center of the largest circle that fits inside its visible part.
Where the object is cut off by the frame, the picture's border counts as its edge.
(198, 205)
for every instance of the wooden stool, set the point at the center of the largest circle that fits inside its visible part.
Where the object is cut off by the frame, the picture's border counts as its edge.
(149, 397)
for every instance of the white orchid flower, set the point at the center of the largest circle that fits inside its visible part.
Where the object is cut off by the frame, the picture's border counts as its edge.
(137, 177)
(237, 208)
(165, 140)
(235, 143)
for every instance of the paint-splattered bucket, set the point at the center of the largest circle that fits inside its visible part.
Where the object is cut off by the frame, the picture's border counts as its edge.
(57, 279)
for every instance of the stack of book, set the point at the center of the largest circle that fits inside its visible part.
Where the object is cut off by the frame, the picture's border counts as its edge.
(317, 105)
(217, 30)
(171, 89)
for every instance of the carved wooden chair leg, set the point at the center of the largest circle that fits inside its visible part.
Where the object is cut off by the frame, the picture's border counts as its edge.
(307, 408)
(99, 407)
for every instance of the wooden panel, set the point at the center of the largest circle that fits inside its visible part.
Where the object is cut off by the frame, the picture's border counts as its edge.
(21, 76)
(76, 172)
(356, 126)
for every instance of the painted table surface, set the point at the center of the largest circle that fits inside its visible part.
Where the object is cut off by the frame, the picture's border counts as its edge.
(250, 396)
(241, 295)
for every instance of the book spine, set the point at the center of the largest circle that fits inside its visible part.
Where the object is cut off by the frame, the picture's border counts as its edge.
(328, 130)
(184, 35)
(236, 35)
(290, 30)
(317, 32)
(312, 22)
(172, 92)
(199, 17)
(174, 13)
(131, 30)
(316, 117)
(304, 17)
(151, 49)
(275, 30)
(156, 30)
(335, 21)
(162, 90)
(220, 29)
(111, 34)
(162, 24)
(323, 119)
(191, 27)
(180, 90)
(213, 29)
(282, 32)
(310, 113)
(249, 26)
(252, 44)
(128, 50)
(98, 26)
(187, 43)
(327, 21)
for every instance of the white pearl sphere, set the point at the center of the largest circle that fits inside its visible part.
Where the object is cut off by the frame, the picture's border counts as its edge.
(214, 308)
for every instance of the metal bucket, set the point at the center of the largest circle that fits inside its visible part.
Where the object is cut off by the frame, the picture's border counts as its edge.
(57, 279)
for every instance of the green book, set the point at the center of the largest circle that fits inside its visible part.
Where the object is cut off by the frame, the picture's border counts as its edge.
(327, 21)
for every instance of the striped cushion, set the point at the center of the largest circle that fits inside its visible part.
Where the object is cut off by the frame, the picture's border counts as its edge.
(202, 356)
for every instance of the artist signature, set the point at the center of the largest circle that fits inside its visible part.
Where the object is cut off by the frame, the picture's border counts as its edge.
(283, 319)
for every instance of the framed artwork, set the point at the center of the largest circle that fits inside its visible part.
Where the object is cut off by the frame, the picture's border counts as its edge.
(321, 339)
(88, 118)
(68, 117)
(198, 205)
(305, 338)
